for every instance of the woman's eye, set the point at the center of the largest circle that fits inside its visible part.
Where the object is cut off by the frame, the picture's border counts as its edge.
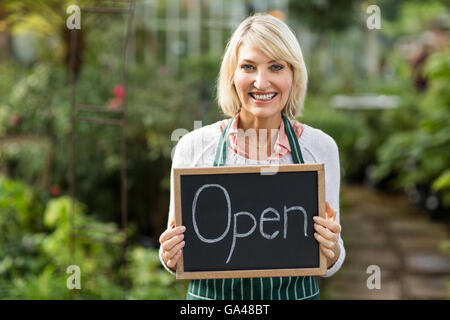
(277, 67)
(247, 67)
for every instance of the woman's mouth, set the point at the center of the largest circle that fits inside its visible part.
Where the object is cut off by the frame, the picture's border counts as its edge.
(263, 98)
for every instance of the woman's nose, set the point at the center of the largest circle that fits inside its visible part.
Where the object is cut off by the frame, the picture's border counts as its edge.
(262, 81)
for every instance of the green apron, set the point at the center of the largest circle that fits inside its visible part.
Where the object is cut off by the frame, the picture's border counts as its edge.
(275, 288)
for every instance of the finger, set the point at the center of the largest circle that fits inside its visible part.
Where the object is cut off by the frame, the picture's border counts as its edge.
(327, 252)
(327, 243)
(171, 243)
(332, 225)
(172, 263)
(171, 253)
(331, 213)
(170, 233)
(326, 233)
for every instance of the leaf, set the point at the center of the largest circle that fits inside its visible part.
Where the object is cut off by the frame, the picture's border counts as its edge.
(442, 182)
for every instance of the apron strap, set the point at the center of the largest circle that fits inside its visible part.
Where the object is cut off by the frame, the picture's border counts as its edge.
(293, 141)
(221, 151)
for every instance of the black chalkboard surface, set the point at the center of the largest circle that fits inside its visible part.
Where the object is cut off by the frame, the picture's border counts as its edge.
(241, 223)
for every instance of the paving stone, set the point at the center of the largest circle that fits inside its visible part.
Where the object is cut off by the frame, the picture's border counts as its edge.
(417, 228)
(423, 287)
(358, 290)
(358, 228)
(354, 272)
(411, 244)
(427, 263)
(360, 232)
(386, 230)
(367, 241)
(385, 258)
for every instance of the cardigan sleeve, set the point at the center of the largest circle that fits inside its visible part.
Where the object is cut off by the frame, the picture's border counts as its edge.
(332, 189)
(181, 158)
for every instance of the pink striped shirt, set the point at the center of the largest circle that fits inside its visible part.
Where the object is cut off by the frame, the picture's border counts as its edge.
(281, 146)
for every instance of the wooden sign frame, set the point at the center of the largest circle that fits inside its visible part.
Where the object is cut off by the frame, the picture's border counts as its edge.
(321, 270)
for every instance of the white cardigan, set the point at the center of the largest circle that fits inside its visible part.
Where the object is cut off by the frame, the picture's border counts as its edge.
(198, 149)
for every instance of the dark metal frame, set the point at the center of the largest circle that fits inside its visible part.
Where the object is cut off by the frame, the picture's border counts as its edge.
(121, 122)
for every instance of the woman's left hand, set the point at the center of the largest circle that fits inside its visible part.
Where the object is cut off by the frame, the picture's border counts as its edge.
(327, 234)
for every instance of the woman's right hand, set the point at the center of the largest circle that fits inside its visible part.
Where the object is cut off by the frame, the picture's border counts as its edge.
(172, 242)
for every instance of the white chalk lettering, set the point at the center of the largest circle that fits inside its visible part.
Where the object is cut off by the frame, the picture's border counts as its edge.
(240, 235)
(194, 205)
(262, 219)
(305, 219)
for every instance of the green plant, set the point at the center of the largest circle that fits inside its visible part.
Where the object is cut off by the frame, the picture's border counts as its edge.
(149, 280)
(36, 247)
(350, 130)
(420, 156)
(21, 229)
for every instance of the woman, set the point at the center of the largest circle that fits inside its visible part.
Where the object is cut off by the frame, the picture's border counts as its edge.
(262, 83)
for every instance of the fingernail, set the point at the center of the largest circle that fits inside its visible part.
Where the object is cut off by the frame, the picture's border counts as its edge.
(183, 228)
(315, 218)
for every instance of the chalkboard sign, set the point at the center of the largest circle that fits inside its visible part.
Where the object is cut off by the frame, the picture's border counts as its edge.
(241, 223)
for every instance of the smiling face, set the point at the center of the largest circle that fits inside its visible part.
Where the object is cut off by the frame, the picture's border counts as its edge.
(262, 84)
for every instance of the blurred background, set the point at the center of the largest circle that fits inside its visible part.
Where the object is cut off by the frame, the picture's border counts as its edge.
(89, 118)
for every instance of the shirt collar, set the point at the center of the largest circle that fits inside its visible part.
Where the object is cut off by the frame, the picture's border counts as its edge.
(281, 146)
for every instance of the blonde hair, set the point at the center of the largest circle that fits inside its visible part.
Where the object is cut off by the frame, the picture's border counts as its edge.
(276, 40)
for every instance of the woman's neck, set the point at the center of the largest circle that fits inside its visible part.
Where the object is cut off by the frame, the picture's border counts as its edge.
(249, 121)
(266, 131)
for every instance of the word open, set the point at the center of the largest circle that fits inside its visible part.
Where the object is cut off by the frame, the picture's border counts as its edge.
(268, 214)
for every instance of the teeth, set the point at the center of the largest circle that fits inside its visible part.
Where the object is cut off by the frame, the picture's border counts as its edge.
(263, 96)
